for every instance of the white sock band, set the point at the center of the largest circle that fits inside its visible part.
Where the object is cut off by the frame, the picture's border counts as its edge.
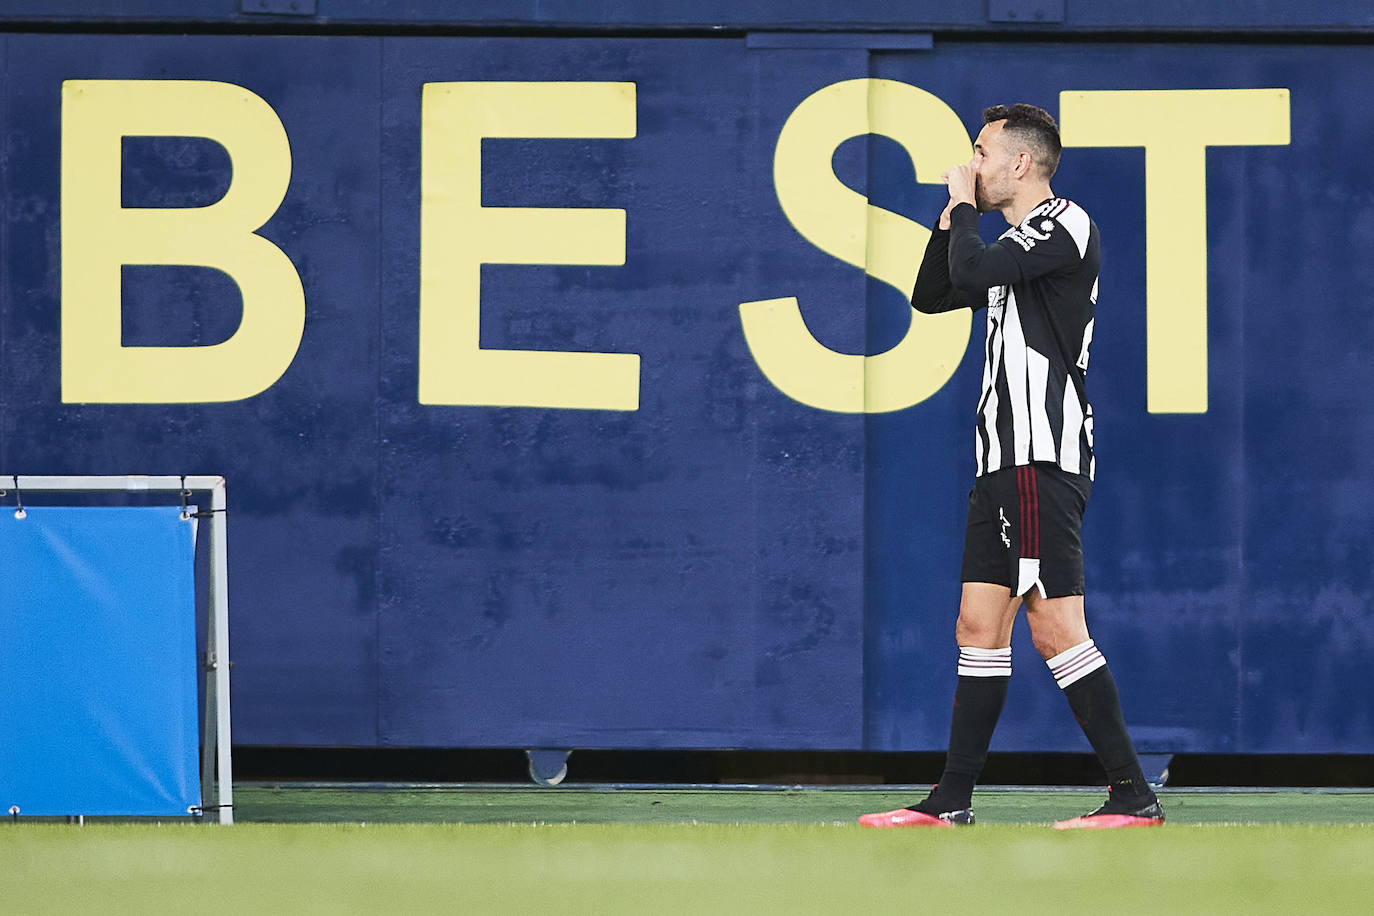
(984, 662)
(1076, 663)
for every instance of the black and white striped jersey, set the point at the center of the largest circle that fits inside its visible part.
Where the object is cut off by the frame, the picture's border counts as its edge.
(1038, 282)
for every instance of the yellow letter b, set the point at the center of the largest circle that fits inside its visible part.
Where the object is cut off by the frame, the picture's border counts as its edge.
(100, 236)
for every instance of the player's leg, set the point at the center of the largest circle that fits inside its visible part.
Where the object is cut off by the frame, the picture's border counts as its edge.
(983, 633)
(1061, 636)
(986, 614)
(1059, 629)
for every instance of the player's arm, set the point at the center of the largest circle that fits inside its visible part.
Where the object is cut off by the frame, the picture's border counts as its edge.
(1017, 257)
(934, 292)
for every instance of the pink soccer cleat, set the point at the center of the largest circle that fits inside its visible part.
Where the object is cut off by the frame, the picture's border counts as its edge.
(905, 817)
(1117, 814)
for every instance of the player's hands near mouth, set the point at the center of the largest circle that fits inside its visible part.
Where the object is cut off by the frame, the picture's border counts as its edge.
(961, 180)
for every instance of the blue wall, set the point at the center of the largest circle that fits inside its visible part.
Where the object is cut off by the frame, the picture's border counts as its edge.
(724, 565)
(1001, 16)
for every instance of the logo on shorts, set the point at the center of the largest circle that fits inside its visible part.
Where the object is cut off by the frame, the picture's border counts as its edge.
(1006, 526)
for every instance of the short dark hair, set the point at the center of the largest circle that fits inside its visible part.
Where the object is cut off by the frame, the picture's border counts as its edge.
(1035, 127)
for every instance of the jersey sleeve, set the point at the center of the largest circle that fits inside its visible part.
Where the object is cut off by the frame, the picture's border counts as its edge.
(934, 292)
(1038, 246)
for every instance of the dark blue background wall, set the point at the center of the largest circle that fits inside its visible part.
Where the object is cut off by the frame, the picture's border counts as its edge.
(723, 566)
(1242, 16)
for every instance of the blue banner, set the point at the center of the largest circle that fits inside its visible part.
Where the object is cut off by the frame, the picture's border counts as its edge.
(97, 662)
(569, 395)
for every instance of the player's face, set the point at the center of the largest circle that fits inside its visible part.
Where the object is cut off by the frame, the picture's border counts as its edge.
(994, 185)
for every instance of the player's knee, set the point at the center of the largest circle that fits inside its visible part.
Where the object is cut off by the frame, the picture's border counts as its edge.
(971, 631)
(1044, 643)
(1051, 636)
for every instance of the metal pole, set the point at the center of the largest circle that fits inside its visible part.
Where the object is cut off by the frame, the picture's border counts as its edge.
(217, 627)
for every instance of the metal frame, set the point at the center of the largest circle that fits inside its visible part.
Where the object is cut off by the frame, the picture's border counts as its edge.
(216, 764)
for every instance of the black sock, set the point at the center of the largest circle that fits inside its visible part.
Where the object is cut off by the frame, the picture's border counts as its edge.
(978, 701)
(1097, 707)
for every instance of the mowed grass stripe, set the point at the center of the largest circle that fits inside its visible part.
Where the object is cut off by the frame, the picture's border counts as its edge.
(677, 868)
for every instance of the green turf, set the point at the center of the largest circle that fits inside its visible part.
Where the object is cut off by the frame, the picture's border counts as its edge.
(747, 852)
(638, 868)
(443, 804)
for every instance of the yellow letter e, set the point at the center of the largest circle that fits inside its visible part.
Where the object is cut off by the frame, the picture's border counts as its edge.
(458, 235)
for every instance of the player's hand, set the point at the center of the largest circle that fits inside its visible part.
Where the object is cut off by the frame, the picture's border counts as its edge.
(960, 180)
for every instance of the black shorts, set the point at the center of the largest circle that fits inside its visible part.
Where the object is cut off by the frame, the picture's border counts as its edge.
(1025, 529)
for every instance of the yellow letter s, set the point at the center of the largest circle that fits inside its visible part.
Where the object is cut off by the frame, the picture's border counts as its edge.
(842, 223)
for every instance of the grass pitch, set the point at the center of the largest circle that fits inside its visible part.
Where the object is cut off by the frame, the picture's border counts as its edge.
(681, 851)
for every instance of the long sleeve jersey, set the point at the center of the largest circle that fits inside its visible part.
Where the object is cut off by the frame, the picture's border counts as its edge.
(1038, 282)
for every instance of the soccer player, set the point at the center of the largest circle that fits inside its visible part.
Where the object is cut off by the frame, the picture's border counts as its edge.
(1034, 451)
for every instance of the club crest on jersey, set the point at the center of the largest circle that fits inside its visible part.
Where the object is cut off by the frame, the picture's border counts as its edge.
(1023, 237)
(1027, 235)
